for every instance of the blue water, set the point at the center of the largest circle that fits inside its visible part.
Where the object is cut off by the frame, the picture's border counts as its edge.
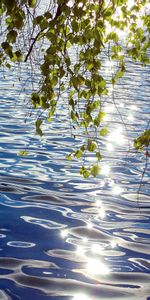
(62, 236)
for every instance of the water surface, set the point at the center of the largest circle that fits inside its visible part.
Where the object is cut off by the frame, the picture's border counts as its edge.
(64, 237)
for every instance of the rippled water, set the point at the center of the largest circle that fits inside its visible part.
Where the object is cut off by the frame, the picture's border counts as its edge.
(64, 237)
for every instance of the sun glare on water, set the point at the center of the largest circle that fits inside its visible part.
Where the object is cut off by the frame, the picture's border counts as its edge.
(64, 233)
(96, 267)
(80, 250)
(81, 296)
(117, 137)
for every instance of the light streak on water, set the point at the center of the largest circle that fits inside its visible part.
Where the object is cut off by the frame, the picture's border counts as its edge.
(96, 267)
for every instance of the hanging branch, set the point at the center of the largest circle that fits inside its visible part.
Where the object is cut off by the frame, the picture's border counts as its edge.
(58, 14)
(31, 47)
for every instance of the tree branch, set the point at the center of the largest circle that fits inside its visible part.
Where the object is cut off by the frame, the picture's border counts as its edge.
(31, 47)
(58, 13)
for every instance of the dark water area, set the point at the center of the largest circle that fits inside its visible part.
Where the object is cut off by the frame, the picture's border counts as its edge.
(61, 236)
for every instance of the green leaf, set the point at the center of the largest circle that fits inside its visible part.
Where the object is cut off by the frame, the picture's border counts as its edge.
(11, 36)
(38, 19)
(5, 45)
(48, 15)
(95, 170)
(18, 55)
(8, 65)
(99, 118)
(22, 153)
(84, 172)
(91, 146)
(69, 157)
(32, 3)
(102, 83)
(104, 131)
(35, 98)
(73, 116)
(38, 127)
(78, 154)
(108, 13)
(143, 140)
(99, 156)
(72, 103)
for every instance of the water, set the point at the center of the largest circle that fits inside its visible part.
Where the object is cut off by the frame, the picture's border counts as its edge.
(64, 237)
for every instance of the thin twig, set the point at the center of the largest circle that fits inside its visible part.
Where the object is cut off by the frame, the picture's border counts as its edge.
(58, 13)
(31, 47)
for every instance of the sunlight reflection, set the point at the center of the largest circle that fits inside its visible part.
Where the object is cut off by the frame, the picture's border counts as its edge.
(85, 240)
(116, 136)
(120, 53)
(113, 244)
(105, 118)
(102, 183)
(108, 27)
(105, 170)
(64, 233)
(111, 182)
(130, 3)
(98, 203)
(121, 34)
(95, 267)
(80, 250)
(96, 248)
(119, 128)
(121, 105)
(110, 89)
(117, 190)
(81, 297)
(102, 213)
(109, 108)
(130, 117)
(89, 225)
(110, 147)
(109, 63)
(133, 107)
(130, 45)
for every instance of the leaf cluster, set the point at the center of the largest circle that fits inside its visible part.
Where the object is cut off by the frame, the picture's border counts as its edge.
(77, 35)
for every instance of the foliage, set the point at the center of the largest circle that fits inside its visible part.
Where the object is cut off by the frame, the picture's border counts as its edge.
(88, 29)
(142, 141)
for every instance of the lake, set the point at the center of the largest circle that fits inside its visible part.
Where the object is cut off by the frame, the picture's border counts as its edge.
(62, 236)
